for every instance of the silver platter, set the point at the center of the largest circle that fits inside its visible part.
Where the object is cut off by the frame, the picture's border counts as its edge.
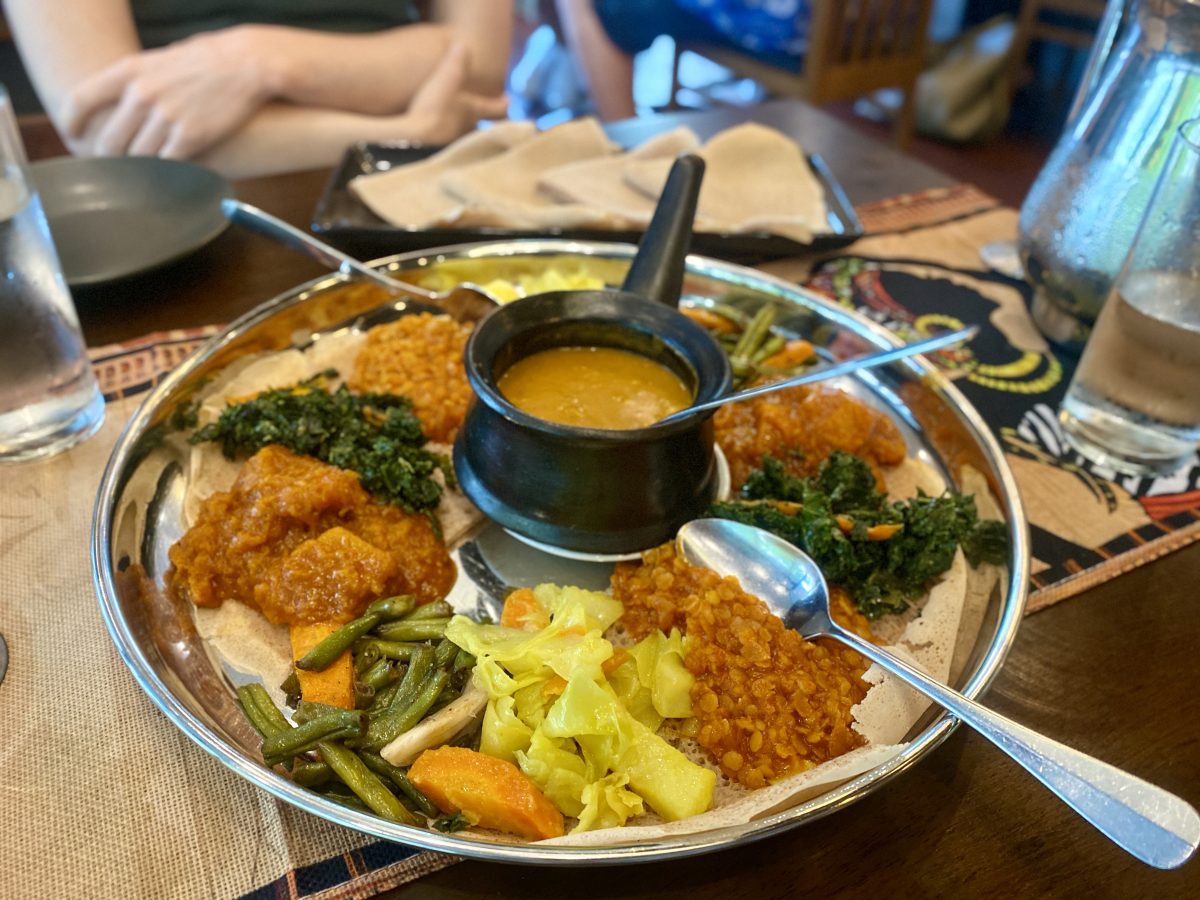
(138, 516)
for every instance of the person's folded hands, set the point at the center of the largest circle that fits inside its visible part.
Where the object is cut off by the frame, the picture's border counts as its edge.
(175, 102)
(443, 109)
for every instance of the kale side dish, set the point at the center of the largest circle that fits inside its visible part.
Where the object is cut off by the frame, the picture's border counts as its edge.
(375, 435)
(885, 554)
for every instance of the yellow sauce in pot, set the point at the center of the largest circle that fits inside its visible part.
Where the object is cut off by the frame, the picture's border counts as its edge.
(594, 387)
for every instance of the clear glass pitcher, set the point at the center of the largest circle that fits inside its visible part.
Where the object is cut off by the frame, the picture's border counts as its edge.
(1082, 212)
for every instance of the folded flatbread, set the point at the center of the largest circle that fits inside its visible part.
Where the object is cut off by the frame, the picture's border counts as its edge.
(411, 196)
(504, 190)
(756, 179)
(600, 183)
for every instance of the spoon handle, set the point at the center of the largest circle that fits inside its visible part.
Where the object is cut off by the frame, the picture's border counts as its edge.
(1155, 826)
(268, 225)
(845, 367)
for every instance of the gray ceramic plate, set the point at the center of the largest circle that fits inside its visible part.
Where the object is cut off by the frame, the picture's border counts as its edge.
(112, 217)
(139, 516)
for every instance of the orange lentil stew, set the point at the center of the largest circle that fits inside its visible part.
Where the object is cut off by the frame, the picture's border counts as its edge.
(419, 357)
(768, 703)
(801, 426)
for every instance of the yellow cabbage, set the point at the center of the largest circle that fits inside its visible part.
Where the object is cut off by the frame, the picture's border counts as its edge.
(591, 748)
(503, 734)
(607, 803)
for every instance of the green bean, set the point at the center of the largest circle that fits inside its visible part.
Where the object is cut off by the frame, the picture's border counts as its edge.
(391, 607)
(405, 712)
(381, 674)
(346, 798)
(418, 668)
(375, 648)
(256, 704)
(444, 653)
(266, 711)
(364, 695)
(291, 688)
(307, 710)
(439, 609)
(741, 368)
(755, 333)
(312, 774)
(409, 630)
(322, 656)
(732, 313)
(388, 727)
(422, 802)
(463, 660)
(382, 700)
(385, 769)
(305, 737)
(354, 773)
(363, 658)
(770, 347)
(409, 688)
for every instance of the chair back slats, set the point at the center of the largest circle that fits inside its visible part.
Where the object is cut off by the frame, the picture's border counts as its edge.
(864, 23)
(866, 30)
(855, 47)
(858, 46)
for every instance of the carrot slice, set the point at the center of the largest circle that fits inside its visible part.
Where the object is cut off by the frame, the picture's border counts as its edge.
(522, 610)
(333, 686)
(492, 792)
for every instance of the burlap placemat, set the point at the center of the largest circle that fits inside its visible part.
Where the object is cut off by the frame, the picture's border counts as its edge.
(106, 798)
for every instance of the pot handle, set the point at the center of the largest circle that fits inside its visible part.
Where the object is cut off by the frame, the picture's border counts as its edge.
(657, 270)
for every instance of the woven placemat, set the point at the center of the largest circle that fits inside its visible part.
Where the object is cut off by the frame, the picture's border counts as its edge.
(130, 806)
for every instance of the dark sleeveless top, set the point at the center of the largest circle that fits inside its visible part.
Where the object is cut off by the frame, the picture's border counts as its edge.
(161, 22)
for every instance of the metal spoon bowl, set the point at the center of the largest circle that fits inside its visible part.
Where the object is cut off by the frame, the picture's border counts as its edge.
(466, 302)
(1155, 826)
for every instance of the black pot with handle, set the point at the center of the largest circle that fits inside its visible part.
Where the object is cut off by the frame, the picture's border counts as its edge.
(591, 490)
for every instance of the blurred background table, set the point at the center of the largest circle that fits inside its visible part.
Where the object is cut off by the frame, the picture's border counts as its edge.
(1111, 672)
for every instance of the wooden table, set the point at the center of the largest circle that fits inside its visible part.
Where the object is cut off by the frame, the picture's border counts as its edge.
(1112, 672)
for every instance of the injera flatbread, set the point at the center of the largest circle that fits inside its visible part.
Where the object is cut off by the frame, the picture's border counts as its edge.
(756, 179)
(504, 190)
(600, 183)
(410, 196)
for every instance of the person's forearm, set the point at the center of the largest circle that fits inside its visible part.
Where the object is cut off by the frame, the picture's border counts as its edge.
(379, 73)
(63, 42)
(373, 74)
(282, 137)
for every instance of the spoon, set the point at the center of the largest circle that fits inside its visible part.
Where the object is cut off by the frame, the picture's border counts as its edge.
(866, 361)
(465, 301)
(1157, 827)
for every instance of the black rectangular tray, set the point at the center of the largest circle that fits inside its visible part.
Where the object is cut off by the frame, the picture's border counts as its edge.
(343, 220)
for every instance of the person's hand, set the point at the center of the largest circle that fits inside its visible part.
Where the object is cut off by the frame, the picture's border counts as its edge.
(175, 102)
(442, 110)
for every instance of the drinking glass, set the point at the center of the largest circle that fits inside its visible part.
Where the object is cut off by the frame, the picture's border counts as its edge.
(49, 399)
(1134, 403)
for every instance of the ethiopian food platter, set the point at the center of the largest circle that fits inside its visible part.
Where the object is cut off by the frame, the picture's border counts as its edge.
(292, 569)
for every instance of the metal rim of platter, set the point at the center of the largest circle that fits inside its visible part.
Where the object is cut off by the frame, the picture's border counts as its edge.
(136, 493)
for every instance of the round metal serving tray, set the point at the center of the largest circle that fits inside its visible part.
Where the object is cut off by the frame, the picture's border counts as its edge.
(138, 516)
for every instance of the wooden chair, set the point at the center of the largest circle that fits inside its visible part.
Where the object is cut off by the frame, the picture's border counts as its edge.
(1075, 27)
(855, 47)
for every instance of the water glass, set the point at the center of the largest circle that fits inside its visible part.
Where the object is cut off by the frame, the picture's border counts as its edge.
(1134, 403)
(49, 399)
